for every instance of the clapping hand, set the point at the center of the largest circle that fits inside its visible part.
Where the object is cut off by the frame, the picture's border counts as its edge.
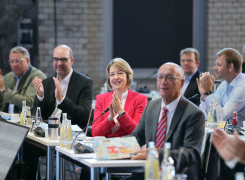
(37, 83)
(2, 84)
(58, 89)
(117, 104)
(205, 83)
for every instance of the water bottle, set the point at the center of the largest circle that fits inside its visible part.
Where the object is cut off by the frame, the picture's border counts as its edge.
(62, 130)
(22, 117)
(152, 163)
(167, 168)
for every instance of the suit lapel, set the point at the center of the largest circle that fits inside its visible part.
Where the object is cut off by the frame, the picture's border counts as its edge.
(71, 85)
(155, 117)
(176, 117)
(52, 92)
(192, 85)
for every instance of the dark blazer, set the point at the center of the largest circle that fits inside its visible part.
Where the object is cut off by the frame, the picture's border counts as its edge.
(77, 103)
(186, 130)
(192, 89)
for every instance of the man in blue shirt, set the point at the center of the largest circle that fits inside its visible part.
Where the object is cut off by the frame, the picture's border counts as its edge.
(230, 94)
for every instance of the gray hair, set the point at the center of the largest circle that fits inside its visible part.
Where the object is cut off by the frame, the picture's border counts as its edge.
(21, 49)
(191, 50)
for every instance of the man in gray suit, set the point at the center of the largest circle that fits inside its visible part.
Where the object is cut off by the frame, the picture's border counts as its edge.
(184, 125)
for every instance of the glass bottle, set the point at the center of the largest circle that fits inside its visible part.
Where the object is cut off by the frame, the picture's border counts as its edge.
(167, 168)
(152, 163)
(68, 135)
(62, 130)
(28, 121)
(22, 118)
(153, 97)
(210, 118)
(239, 176)
(234, 120)
(38, 117)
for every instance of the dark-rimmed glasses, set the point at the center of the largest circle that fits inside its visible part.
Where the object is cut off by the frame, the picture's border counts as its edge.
(63, 60)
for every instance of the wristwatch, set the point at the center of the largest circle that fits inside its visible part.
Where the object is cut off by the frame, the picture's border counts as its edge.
(208, 93)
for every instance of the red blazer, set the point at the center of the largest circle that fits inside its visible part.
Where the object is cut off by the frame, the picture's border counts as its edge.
(134, 107)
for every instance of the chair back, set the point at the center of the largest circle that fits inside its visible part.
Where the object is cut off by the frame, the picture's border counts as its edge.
(205, 152)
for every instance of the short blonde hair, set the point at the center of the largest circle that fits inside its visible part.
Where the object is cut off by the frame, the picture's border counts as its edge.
(122, 65)
(231, 56)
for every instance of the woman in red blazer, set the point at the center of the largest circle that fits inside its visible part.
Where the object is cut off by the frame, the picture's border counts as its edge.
(126, 106)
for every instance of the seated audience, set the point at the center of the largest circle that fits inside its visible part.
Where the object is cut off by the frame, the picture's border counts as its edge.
(126, 106)
(21, 76)
(230, 94)
(189, 61)
(172, 119)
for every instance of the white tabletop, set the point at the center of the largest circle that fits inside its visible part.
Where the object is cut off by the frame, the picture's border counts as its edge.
(43, 140)
(70, 153)
(89, 159)
(112, 163)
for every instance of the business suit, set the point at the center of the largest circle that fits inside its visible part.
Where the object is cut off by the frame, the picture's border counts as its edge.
(77, 103)
(186, 130)
(192, 89)
(134, 107)
(27, 94)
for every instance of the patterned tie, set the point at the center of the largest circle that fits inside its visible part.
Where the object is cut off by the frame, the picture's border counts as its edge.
(161, 129)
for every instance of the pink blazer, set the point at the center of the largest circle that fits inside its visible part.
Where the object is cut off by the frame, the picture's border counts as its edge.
(134, 107)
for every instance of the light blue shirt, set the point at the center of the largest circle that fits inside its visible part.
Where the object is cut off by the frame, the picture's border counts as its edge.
(230, 97)
(187, 81)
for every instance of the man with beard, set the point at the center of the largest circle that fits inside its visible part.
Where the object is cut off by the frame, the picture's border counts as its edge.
(67, 91)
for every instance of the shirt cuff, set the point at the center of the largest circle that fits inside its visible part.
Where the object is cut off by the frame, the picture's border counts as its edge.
(231, 164)
(40, 98)
(61, 100)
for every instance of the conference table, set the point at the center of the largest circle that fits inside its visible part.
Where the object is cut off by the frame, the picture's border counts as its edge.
(90, 163)
(49, 146)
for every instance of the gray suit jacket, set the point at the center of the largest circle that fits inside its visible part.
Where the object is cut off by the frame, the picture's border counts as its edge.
(186, 130)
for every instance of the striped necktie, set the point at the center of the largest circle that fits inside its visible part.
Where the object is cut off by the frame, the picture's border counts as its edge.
(161, 129)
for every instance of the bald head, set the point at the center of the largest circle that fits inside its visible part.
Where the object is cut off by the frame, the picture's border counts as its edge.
(62, 65)
(170, 82)
(64, 48)
(176, 67)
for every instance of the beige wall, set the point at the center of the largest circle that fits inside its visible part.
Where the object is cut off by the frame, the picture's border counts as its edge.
(225, 27)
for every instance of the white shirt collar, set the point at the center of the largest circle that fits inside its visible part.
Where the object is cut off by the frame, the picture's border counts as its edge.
(172, 106)
(67, 78)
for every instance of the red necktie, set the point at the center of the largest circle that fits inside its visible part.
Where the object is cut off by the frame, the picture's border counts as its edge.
(161, 129)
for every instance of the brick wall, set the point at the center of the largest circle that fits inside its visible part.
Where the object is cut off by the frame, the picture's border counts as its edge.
(225, 27)
(79, 26)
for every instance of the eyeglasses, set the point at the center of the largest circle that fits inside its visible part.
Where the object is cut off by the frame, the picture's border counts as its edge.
(168, 78)
(63, 60)
(17, 61)
(188, 60)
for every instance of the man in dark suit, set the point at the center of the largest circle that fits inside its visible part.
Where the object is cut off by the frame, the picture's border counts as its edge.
(66, 92)
(183, 126)
(189, 61)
